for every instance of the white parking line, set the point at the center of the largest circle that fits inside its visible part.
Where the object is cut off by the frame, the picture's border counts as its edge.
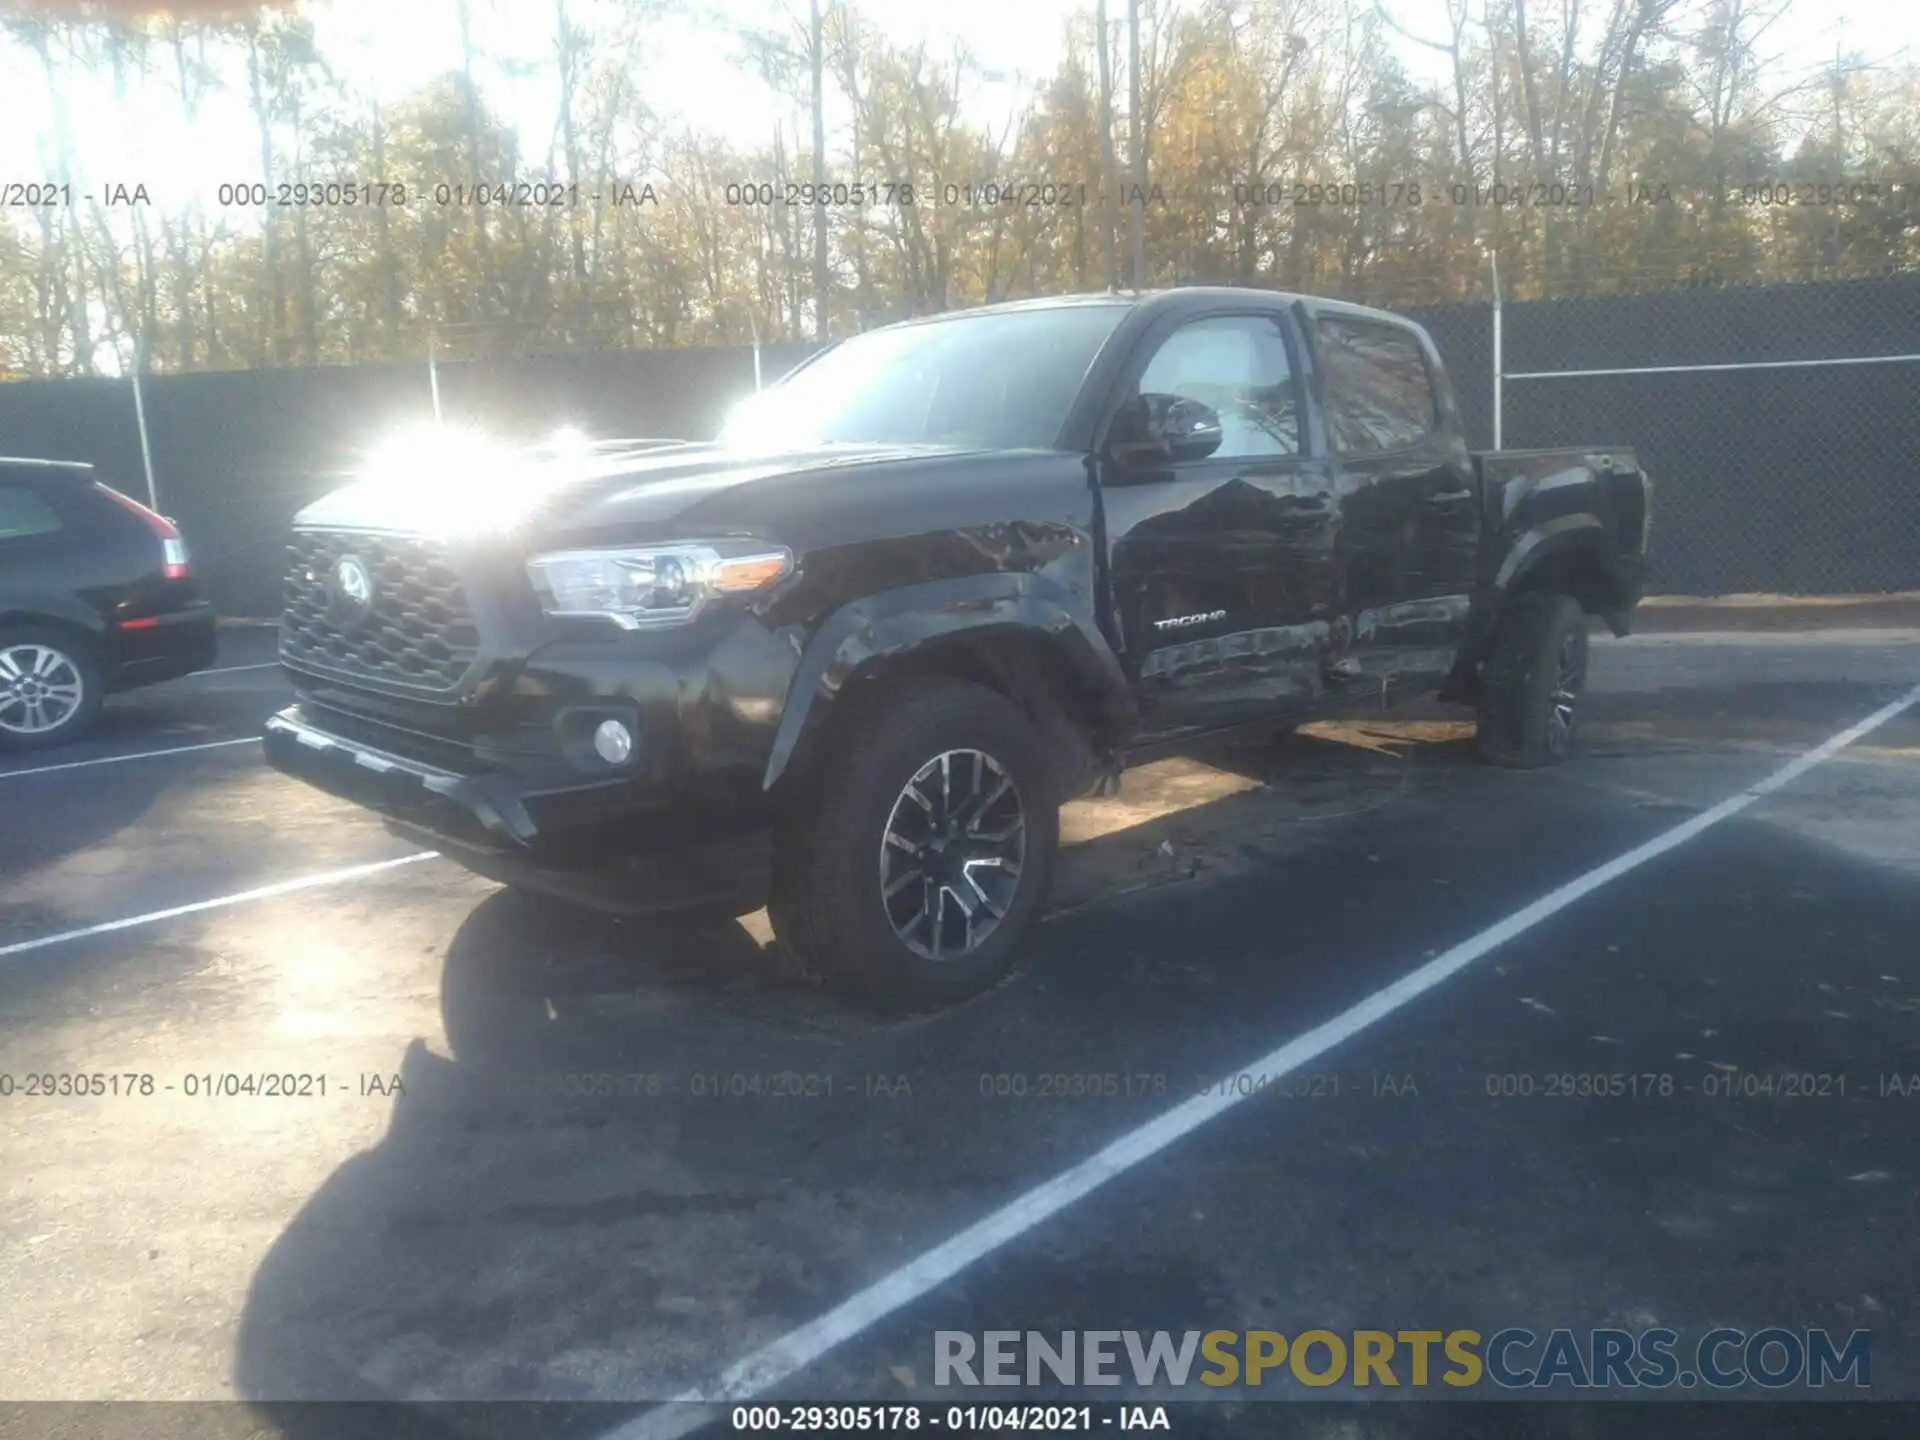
(263, 892)
(229, 669)
(117, 759)
(797, 1349)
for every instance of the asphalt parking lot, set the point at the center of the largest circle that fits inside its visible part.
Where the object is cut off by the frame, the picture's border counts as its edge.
(460, 1217)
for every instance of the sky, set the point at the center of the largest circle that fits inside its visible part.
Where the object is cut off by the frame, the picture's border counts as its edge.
(399, 46)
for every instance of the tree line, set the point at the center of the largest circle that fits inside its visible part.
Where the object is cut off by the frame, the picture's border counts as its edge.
(1590, 145)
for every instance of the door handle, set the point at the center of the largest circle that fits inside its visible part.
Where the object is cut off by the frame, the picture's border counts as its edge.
(1449, 497)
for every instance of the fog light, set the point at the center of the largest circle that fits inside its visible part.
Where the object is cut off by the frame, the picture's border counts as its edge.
(613, 742)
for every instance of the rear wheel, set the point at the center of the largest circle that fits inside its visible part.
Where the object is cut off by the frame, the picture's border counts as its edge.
(50, 687)
(1533, 682)
(924, 849)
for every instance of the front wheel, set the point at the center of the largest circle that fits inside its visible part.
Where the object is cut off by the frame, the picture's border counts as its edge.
(1533, 682)
(924, 849)
(50, 687)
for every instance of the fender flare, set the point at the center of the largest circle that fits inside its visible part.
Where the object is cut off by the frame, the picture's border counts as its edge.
(1538, 544)
(1535, 546)
(897, 623)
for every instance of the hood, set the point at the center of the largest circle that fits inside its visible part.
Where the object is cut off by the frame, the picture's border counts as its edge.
(646, 490)
(459, 488)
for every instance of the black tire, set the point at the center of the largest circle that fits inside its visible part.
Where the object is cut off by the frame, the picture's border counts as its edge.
(831, 861)
(73, 661)
(1533, 682)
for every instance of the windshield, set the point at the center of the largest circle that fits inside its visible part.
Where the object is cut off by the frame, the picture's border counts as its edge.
(1001, 381)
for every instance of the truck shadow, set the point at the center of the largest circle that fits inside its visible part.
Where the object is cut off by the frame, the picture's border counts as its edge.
(643, 1150)
(521, 964)
(673, 1096)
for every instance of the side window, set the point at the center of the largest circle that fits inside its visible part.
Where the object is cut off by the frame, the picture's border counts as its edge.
(24, 512)
(1379, 396)
(1237, 364)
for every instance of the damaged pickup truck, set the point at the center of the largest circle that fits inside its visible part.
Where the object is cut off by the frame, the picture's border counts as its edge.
(849, 660)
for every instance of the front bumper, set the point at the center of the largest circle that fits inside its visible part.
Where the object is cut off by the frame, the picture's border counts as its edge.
(605, 844)
(482, 810)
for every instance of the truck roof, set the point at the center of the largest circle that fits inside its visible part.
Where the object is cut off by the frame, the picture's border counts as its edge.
(1175, 298)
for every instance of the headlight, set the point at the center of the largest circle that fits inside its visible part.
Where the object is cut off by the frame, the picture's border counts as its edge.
(645, 586)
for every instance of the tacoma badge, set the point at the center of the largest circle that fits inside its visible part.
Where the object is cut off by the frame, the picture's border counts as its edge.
(1181, 622)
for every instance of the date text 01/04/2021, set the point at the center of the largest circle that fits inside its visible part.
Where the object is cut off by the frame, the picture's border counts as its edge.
(960, 1419)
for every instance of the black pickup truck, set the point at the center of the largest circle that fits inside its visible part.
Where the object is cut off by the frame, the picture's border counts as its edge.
(848, 660)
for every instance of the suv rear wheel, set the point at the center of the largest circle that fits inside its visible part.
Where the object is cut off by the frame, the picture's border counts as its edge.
(924, 849)
(50, 687)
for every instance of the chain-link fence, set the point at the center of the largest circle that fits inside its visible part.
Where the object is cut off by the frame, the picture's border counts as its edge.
(1781, 424)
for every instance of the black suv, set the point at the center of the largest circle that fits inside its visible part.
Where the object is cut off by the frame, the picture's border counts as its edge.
(849, 660)
(97, 594)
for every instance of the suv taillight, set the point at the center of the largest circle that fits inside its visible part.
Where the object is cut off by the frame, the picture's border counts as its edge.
(173, 546)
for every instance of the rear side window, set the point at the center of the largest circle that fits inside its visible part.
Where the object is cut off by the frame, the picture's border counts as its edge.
(24, 512)
(1379, 395)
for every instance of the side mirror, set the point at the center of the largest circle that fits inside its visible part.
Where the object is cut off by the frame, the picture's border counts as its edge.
(1155, 430)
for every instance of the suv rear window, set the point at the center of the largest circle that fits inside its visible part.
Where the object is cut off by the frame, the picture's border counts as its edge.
(1379, 395)
(24, 512)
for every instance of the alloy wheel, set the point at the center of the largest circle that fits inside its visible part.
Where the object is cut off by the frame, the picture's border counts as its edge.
(951, 854)
(40, 689)
(1561, 702)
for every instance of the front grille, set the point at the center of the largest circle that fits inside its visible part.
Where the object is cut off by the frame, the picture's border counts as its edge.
(440, 751)
(415, 631)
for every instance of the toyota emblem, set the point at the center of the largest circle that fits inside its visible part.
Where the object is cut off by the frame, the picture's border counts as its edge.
(353, 583)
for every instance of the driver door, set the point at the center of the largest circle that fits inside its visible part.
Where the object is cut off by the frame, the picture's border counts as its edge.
(1223, 567)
